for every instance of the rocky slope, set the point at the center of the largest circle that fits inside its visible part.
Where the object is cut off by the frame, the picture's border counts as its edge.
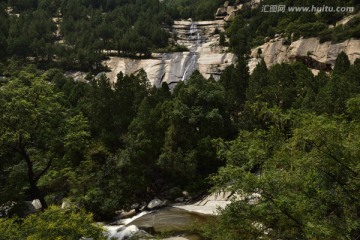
(204, 55)
(317, 56)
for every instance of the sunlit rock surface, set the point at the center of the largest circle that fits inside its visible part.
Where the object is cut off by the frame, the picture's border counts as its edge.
(209, 204)
(204, 55)
(316, 55)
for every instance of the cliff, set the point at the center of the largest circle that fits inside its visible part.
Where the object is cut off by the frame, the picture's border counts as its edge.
(204, 54)
(317, 56)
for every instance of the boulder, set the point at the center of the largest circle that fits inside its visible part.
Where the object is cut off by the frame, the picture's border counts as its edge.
(157, 203)
(77, 76)
(67, 204)
(185, 194)
(347, 19)
(37, 204)
(6, 208)
(230, 17)
(21, 209)
(221, 12)
(126, 214)
(230, 9)
(135, 206)
(27, 209)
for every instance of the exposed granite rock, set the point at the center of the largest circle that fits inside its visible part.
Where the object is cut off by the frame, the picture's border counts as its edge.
(210, 203)
(316, 55)
(347, 19)
(205, 55)
(157, 203)
(221, 12)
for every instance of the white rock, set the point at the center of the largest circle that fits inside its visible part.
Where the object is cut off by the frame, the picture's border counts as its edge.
(206, 56)
(37, 204)
(327, 52)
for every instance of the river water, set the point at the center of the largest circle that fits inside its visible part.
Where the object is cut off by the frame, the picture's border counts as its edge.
(173, 221)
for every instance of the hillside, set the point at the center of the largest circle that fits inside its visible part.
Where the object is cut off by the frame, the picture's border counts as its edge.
(118, 118)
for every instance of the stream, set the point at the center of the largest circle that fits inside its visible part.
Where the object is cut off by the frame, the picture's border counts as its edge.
(173, 221)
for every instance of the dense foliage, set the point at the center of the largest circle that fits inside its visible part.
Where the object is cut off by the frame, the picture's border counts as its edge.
(72, 34)
(128, 142)
(54, 223)
(252, 26)
(294, 166)
(284, 140)
(282, 137)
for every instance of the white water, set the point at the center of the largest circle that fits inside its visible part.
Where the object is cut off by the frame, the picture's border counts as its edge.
(126, 221)
(170, 67)
(190, 65)
(120, 232)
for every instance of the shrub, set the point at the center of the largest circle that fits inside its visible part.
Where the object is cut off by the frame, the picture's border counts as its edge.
(54, 223)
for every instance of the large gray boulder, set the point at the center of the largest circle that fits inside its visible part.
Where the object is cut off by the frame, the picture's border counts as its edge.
(157, 203)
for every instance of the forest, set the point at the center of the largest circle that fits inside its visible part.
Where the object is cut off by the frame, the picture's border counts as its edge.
(282, 133)
(73, 34)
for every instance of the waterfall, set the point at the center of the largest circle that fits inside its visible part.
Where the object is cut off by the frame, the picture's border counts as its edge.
(191, 59)
(123, 231)
(190, 67)
(193, 28)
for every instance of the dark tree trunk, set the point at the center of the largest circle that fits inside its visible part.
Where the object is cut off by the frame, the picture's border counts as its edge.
(35, 191)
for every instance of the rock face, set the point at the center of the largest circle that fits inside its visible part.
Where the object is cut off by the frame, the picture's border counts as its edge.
(204, 55)
(316, 55)
(209, 204)
(228, 12)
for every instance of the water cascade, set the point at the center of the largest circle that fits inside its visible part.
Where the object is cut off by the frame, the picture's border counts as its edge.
(190, 63)
(204, 54)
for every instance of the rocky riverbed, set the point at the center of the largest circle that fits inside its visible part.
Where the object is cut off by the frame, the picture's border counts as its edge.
(177, 219)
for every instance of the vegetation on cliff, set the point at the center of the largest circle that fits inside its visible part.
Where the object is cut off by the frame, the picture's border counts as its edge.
(283, 138)
(252, 26)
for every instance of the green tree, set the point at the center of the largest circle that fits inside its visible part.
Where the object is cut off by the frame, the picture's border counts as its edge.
(4, 30)
(22, 5)
(36, 129)
(307, 186)
(222, 39)
(257, 83)
(199, 114)
(281, 90)
(145, 140)
(235, 80)
(342, 85)
(342, 64)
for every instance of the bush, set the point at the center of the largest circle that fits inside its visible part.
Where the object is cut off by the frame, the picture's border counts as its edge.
(54, 223)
